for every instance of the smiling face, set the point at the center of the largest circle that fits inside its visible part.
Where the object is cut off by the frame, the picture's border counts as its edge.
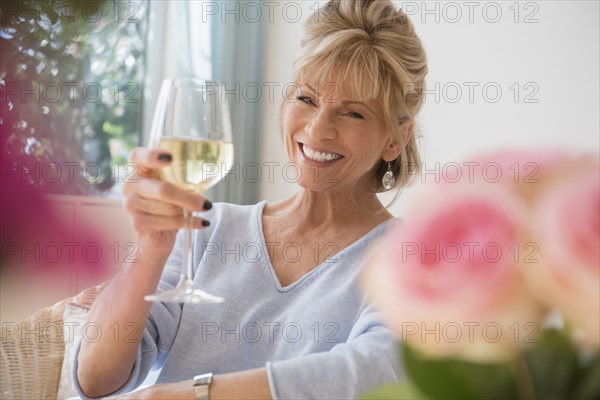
(337, 141)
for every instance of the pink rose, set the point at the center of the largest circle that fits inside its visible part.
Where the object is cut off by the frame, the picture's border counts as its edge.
(447, 279)
(526, 171)
(567, 228)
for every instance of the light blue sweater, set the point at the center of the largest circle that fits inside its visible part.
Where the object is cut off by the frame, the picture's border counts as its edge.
(318, 337)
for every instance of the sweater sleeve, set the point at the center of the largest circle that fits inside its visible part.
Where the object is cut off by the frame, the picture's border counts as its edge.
(160, 331)
(369, 358)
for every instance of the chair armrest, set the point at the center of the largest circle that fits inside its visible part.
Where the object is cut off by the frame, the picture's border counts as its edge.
(32, 350)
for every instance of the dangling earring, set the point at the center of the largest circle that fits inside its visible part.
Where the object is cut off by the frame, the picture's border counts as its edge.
(388, 178)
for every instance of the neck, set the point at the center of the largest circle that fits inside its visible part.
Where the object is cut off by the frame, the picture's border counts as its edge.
(332, 209)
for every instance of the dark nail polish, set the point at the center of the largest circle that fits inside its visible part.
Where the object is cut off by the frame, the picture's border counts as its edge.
(205, 222)
(165, 157)
(207, 205)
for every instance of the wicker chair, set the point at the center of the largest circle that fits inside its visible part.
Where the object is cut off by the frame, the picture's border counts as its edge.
(32, 351)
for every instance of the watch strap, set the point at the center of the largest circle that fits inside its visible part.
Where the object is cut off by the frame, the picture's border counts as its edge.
(202, 386)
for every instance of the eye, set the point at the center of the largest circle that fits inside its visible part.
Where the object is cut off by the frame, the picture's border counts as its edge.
(306, 100)
(354, 114)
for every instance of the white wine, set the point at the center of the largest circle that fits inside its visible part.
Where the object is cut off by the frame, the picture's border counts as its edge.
(197, 164)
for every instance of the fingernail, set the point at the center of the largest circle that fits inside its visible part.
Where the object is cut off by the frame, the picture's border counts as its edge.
(207, 205)
(164, 157)
(205, 222)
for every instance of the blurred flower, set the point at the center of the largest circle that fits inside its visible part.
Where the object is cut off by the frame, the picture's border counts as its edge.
(447, 279)
(504, 250)
(567, 227)
(527, 171)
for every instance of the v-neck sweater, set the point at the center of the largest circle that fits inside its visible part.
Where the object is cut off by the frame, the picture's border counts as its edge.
(317, 337)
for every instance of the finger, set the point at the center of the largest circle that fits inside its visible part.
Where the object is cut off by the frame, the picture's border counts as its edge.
(163, 191)
(147, 159)
(136, 203)
(147, 223)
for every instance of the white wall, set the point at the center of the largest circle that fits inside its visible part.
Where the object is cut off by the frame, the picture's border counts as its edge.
(556, 54)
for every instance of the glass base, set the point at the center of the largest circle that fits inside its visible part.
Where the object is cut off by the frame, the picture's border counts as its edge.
(184, 295)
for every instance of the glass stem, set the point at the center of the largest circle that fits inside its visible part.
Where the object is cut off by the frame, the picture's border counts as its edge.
(188, 261)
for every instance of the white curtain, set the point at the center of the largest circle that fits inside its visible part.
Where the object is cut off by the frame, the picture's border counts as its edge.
(238, 49)
(185, 40)
(178, 44)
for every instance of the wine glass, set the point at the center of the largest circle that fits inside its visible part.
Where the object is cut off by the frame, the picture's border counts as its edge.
(192, 123)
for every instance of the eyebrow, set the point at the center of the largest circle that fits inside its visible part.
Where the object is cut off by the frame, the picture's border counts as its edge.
(345, 102)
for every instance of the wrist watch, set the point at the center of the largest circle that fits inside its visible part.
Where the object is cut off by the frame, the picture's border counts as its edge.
(202, 386)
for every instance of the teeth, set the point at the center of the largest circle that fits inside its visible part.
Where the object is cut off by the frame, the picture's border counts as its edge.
(318, 156)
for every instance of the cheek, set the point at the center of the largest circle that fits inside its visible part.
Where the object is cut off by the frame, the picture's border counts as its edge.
(291, 126)
(365, 146)
(292, 119)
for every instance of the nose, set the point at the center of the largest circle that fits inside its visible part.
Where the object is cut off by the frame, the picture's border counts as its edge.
(320, 126)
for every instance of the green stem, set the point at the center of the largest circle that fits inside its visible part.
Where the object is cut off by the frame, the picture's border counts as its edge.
(523, 378)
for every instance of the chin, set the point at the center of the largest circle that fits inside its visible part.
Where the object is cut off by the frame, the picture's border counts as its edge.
(317, 179)
(315, 186)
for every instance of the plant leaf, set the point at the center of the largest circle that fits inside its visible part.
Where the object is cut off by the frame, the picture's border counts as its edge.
(456, 379)
(588, 386)
(552, 365)
(395, 392)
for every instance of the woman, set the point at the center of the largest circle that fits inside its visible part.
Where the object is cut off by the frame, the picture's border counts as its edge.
(293, 324)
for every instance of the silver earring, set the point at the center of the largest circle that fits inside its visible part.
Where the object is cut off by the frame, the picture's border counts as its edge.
(388, 178)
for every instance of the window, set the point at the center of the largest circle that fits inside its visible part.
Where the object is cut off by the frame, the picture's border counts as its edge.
(71, 90)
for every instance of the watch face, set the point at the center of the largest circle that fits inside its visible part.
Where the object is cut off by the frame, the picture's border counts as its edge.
(204, 379)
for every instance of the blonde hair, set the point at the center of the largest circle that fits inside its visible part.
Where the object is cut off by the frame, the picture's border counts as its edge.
(373, 48)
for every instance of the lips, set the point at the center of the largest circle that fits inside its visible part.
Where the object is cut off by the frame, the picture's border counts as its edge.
(318, 156)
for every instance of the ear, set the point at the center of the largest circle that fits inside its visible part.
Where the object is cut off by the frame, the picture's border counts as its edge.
(392, 147)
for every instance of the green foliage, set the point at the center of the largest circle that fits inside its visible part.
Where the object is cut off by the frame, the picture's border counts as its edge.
(588, 384)
(552, 368)
(71, 80)
(455, 379)
(552, 365)
(395, 392)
